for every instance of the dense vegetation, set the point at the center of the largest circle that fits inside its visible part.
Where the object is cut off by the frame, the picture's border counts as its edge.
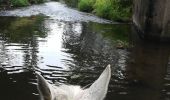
(119, 10)
(19, 3)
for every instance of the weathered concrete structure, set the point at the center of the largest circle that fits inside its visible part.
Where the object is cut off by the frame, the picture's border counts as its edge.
(152, 18)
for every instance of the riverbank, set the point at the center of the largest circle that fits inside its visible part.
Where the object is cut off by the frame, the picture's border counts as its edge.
(7, 4)
(116, 10)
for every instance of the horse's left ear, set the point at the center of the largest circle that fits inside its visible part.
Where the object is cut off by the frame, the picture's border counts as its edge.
(44, 88)
(98, 89)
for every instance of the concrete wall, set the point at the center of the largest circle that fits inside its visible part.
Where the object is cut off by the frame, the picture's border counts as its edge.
(152, 18)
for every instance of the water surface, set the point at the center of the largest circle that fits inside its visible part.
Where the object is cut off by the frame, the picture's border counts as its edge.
(71, 47)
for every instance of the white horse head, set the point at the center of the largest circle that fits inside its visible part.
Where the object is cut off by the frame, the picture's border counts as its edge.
(97, 91)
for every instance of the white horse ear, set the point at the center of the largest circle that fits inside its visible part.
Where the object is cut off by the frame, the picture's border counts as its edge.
(43, 88)
(98, 90)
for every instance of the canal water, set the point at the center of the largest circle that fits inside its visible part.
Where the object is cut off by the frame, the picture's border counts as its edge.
(70, 47)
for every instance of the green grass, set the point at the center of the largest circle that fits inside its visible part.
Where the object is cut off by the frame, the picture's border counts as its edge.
(36, 1)
(103, 8)
(19, 3)
(86, 5)
(119, 10)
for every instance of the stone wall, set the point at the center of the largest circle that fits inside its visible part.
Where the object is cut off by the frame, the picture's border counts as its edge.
(152, 18)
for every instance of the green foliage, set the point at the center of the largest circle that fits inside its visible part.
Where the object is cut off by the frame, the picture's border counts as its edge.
(40, 1)
(71, 3)
(110, 9)
(19, 3)
(36, 1)
(121, 10)
(103, 8)
(86, 5)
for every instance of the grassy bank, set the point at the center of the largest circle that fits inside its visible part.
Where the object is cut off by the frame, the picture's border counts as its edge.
(18, 3)
(119, 10)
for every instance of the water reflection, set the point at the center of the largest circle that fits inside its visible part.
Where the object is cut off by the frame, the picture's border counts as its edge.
(147, 68)
(19, 40)
(64, 52)
(76, 53)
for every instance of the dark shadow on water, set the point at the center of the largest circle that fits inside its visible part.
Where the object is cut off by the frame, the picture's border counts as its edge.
(146, 74)
(19, 86)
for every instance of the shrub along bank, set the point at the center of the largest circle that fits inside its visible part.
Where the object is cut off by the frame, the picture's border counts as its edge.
(18, 3)
(119, 10)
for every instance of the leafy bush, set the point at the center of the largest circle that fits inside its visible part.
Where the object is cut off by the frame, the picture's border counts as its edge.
(36, 1)
(19, 3)
(103, 8)
(86, 5)
(111, 9)
(121, 10)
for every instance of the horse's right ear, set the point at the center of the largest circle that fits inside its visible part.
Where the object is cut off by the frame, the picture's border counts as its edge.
(98, 89)
(43, 88)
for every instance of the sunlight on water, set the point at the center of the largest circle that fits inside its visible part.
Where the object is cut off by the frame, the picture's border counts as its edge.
(12, 56)
(51, 50)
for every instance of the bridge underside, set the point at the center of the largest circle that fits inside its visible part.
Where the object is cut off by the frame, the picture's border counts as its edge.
(152, 19)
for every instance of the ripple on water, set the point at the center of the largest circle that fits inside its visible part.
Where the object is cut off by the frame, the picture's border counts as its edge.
(63, 47)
